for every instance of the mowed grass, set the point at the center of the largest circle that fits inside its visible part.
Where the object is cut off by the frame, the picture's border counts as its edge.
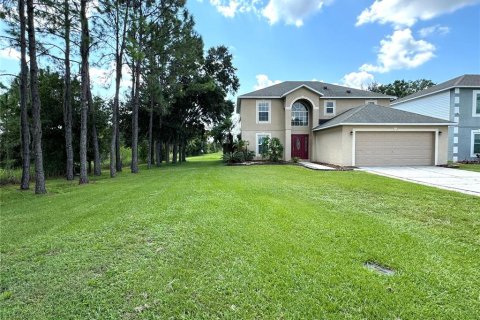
(469, 167)
(206, 241)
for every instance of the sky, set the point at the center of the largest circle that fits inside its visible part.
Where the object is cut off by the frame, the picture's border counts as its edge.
(348, 42)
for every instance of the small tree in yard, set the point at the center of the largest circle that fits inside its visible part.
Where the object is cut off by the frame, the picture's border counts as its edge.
(271, 149)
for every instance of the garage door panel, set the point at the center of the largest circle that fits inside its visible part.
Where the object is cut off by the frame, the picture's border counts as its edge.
(394, 148)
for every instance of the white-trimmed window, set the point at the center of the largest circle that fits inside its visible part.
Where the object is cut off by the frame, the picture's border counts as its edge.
(475, 142)
(259, 141)
(264, 114)
(330, 107)
(299, 115)
(476, 103)
(370, 101)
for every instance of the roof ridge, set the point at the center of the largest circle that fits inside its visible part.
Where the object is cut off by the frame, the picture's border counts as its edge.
(357, 109)
(459, 79)
(353, 111)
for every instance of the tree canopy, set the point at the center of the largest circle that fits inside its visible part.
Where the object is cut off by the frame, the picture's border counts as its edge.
(178, 88)
(401, 88)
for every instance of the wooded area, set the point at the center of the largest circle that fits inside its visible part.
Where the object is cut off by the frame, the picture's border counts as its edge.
(50, 119)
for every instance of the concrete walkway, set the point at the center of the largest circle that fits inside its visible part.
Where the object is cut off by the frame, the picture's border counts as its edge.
(445, 178)
(314, 166)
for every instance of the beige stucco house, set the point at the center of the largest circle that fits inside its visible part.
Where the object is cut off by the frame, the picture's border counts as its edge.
(327, 123)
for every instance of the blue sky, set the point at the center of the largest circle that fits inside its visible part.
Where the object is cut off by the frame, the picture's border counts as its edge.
(343, 41)
(350, 42)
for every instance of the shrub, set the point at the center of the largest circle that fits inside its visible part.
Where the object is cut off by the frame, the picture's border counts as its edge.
(272, 149)
(295, 159)
(233, 157)
(239, 154)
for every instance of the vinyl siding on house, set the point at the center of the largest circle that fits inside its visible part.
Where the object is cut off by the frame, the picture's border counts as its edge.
(435, 105)
(467, 124)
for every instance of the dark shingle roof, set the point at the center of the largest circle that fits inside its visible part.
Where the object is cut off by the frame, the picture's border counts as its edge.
(331, 91)
(467, 80)
(374, 114)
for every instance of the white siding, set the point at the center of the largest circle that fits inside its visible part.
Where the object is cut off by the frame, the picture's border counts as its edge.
(436, 105)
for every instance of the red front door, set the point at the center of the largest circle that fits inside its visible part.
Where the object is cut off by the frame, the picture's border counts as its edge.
(300, 146)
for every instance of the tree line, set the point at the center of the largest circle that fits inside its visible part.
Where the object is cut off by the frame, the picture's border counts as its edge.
(178, 90)
(400, 88)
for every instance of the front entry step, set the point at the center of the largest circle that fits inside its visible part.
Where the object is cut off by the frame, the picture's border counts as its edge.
(314, 166)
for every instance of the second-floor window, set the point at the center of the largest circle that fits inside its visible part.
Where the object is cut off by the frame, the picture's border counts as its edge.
(329, 108)
(476, 103)
(299, 115)
(263, 111)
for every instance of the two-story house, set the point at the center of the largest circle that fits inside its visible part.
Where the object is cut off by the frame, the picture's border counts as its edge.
(456, 100)
(333, 124)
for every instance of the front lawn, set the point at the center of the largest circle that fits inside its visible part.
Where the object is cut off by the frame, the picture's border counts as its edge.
(202, 240)
(469, 167)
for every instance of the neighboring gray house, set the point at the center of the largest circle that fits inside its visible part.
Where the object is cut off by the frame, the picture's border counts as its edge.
(456, 100)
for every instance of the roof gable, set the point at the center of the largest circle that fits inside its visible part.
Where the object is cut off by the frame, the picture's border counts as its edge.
(300, 87)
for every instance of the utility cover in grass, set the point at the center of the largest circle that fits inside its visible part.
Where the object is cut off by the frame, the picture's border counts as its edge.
(379, 268)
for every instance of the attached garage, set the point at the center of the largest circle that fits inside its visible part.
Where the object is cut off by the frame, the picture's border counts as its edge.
(394, 148)
(374, 135)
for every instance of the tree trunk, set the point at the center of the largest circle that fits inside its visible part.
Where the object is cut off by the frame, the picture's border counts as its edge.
(118, 152)
(24, 129)
(36, 104)
(113, 144)
(183, 151)
(84, 52)
(67, 100)
(175, 151)
(158, 151)
(97, 166)
(150, 136)
(116, 165)
(135, 105)
(167, 152)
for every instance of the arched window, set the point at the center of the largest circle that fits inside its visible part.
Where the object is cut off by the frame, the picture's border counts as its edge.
(299, 114)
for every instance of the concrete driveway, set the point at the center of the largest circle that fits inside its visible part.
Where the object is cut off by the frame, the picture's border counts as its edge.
(445, 178)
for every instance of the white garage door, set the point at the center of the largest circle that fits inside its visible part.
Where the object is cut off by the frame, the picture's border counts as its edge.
(394, 148)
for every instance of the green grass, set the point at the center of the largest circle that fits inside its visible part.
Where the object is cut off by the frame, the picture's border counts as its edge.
(469, 167)
(202, 240)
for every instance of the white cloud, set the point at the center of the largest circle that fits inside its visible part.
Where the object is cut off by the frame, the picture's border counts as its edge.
(359, 80)
(229, 8)
(10, 53)
(407, 12)
(263, 81)
(401, 51)
(292, 12)
(436, 29)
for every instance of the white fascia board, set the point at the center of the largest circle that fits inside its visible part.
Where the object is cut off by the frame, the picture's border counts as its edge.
(387, 124)
(299, 87)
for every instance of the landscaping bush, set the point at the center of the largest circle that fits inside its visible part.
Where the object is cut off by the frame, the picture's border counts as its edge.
(239, 154)
(233, 157)
(272, 149)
